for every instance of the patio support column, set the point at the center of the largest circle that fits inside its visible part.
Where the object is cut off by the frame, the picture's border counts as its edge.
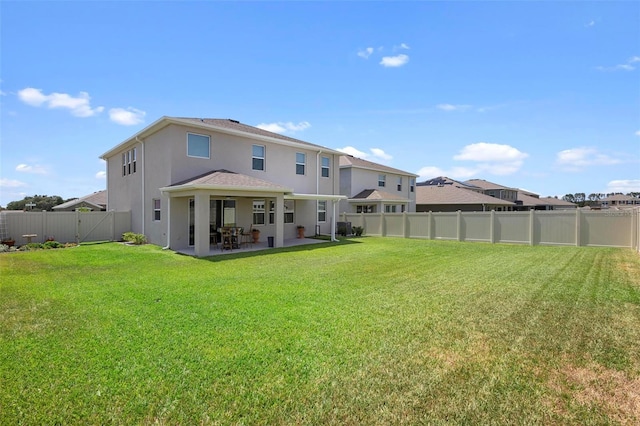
(279, 213)
(333, 221)
(201, 224)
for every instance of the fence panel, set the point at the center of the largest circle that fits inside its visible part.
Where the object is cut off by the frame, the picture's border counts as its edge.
(555, 228)
(609, 228)
(65, 227)
(476, 227)
(445, 226)
(418, 225)
(394, 224)
(512, 227)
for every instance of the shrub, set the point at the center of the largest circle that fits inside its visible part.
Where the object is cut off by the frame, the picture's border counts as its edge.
(52, 245)
(358, 230)
(4, 248)
(32, 246)
(133, 238)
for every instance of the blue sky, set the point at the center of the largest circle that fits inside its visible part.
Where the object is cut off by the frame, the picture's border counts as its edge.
(543, 96)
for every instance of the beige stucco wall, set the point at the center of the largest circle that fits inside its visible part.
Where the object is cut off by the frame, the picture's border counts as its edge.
(354, 180)
(162, 159)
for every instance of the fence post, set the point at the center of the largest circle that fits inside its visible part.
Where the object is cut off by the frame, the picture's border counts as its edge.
(578, 230)
(113, 225)
(430, 226)
(492, 227)
(532, 226)
(383, 228)
(405, 227)
(45, 231)
(459, 225)
(77, 226)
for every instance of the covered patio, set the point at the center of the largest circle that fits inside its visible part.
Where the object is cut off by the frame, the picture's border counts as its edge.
(262, 245)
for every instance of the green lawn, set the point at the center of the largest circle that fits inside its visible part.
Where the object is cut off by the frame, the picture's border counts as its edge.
(366, 331)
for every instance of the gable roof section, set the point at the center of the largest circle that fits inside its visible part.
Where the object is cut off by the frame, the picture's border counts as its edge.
(97, 199)
(351, 161)
(451, 194)
(552, 201)
(377, 195)
(228, 126)
(226, 180)
(484, 184)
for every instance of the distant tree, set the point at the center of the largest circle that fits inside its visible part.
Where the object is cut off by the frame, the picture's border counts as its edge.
(570, 198)
(634, 194)
(42, 202)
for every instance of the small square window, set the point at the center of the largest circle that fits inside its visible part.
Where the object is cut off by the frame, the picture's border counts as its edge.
(198, 145)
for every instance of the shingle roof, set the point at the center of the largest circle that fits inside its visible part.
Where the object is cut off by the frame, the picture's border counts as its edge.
(552, 201)
(98, 198)
(351, 161)
(451, 194)
(227, 179)
(484, 184)
(377, 195)
(443, 180)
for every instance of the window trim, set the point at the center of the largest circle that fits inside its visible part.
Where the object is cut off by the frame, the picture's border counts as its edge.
(382, 180)
(323, 167)
(303, 164)
(263, 158)
(156, 208)
(208, 146)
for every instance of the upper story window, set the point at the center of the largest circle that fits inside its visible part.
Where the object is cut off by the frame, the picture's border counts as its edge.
(412, 184)
(382, 180)
(257, 161)
(301, 163)
(129, 162)
(325, 167)
(400, 183)
(198, 145)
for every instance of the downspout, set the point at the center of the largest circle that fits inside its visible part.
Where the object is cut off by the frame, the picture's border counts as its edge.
(168, 223)
(317, 224)
(144, 199)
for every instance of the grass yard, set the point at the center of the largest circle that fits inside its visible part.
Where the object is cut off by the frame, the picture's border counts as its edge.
(367, 331)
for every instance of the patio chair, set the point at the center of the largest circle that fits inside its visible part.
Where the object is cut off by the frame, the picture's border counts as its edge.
(227, 239)
(245, 236)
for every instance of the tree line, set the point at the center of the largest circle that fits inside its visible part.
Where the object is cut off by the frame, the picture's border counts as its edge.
(595, 198)
(37, 202)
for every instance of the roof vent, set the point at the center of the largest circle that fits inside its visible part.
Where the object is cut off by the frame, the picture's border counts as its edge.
(234, 121)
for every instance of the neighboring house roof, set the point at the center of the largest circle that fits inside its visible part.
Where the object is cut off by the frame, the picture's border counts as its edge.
(443, 180)
(228, 126)
(528, 199)
(377, 195)
(98, 199)
(620, 197)
(484, 184)
(226, 180)
(552, 201)
(351, 161)
(451, 194)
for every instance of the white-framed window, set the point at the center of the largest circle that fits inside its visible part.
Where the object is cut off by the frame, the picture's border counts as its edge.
(258, 212)
(322, 211)
(369, 208)
(156, 209)
(382, 180)
(301, 163)
(326, 165)
(412, 184)
(129, 162)
(272, 212)
(400, 183)
(289, 206)
(198, 146)
(257, 159)
(390, 208)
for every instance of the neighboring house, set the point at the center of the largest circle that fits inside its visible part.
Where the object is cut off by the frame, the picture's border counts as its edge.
(524, 200)
(620, 201)
(443, 194)
(375, 188)
(94, 202)
(184, 178)
(557, 203)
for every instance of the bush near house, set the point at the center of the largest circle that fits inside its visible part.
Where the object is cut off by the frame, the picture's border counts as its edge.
(134, 238)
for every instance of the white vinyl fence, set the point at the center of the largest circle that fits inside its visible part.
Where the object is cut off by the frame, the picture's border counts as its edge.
(64, 227)
(608, 228)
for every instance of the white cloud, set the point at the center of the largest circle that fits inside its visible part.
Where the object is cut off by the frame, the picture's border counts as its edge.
(35, 169)
(576, 159)
(624, 186)
(394, 61)
(282, 127)
(459, 173)
(101, 175)
(591, 23)
(365, 53)
(404, 46)
(126, 117)
(11, 183)
(622, 67)
(376, 155)
(79, 106)
(638, 133)
(490, 152)
(450, 107)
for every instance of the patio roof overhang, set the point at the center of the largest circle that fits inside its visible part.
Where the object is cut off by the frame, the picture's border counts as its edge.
(293, 196)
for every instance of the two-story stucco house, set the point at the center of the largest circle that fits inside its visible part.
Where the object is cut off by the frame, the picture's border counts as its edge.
(184, 178)
(375, 188)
